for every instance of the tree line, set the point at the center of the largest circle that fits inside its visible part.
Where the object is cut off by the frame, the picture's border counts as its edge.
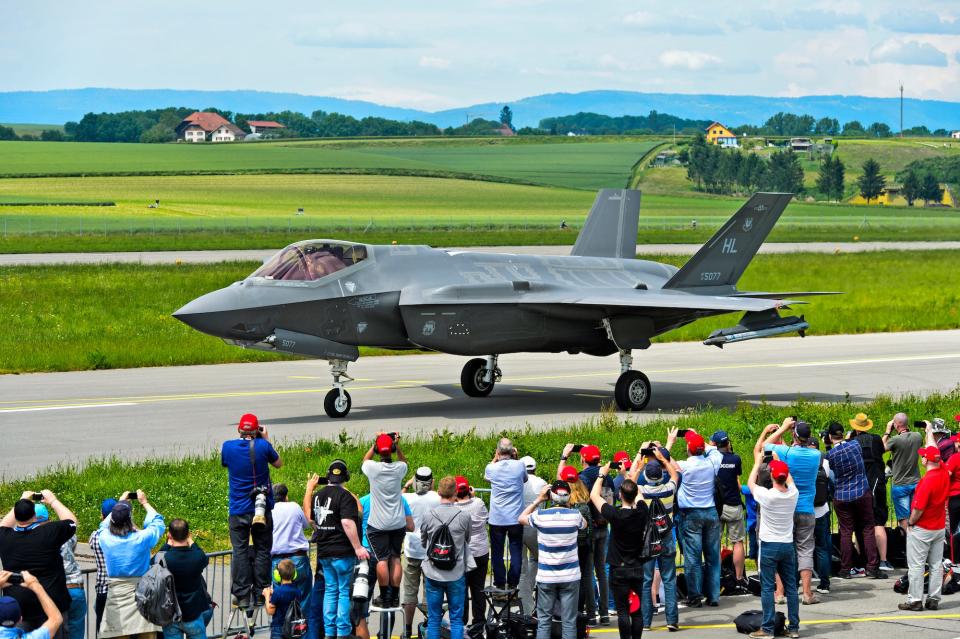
(719, 170)
(596, 124)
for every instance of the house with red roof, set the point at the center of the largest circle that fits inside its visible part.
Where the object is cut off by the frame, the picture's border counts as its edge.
(263, 126)
(201, 126)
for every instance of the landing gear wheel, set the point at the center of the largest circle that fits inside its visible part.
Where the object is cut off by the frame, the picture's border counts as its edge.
(632, 391)
(471, 378)
(335, 405)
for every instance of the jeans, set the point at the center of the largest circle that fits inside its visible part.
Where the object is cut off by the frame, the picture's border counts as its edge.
(75, 620)
(315, 610)
(560, 599)
(778, 558)
(304, 580)
(924, 547)
(337, 573)
(667, 563)
(250, 567)
(455, 592)
(475, 583)
(196, 629)
(98, 607)
(498, 534)
(902, 498)
(701, 535)
(823, 549)
(623, 580)
(528, 578)
(586, 599)
(600, 536)
(857, 517)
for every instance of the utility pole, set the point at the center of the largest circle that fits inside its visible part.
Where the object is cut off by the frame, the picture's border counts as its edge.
(901, 110)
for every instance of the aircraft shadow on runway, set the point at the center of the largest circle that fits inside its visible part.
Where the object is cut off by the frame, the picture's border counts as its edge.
(518, 402)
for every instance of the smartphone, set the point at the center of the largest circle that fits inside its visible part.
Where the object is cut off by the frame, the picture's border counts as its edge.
(577, 448)
(37, 496)
(615, 465)
(15, 579)
(920, 425)
(683, 432)
(767, 457)
(323, 481)
(646, 452)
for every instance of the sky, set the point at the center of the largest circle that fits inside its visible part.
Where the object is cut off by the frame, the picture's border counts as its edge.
(433, 55)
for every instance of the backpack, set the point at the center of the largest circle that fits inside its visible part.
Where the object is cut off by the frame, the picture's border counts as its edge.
(822, 493)
(585, 534)
(752, 620)
(294, 621)
(657, 529)
(440, 550)
(156, 594)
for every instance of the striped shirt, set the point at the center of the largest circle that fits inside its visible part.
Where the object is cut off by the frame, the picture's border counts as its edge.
(846, 461)
(664, 491)
(94, 543)
(557, 561)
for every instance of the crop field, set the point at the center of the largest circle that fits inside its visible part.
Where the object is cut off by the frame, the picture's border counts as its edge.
(195, 487)
(33, 129)
(118, 316)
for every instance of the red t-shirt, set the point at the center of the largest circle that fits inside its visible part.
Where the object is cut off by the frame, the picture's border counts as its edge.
(953, 467)
(931, 497)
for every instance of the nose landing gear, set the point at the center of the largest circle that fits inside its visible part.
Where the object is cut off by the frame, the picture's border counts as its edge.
(632, 391)
(479, 376)
(337, 402)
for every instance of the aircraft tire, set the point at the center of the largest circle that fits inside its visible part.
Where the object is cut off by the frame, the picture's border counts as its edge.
(632, 391)
(334, 406)
(471, 378)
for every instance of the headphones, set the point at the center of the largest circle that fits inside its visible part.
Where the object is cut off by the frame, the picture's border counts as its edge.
(277, 579)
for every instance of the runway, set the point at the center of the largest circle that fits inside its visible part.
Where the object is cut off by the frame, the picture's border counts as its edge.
(258, 255)
(51, 418)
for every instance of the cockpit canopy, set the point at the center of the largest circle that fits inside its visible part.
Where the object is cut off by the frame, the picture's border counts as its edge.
(311, 260)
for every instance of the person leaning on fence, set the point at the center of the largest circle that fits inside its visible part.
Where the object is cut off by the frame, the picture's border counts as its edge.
(126, 551)
(11, 618)
(289, 542)
(279, 595)
(186, 561)
(528, 569)
(558, 573)
(506, 475)
(479, 548)
(28, 544)
(443, 575)
(422, 500)
(106, 507)
(248, 460)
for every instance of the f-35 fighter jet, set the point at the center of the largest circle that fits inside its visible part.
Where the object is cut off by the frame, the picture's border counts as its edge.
(325, 298)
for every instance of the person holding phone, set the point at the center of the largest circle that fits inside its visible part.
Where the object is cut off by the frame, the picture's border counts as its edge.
(11, 615)
(903, 444)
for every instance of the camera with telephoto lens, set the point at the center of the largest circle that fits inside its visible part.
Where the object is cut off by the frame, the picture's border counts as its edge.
(259, 494)
(361, 581)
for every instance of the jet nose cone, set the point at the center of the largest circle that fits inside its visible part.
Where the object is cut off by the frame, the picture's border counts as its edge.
(213, 313)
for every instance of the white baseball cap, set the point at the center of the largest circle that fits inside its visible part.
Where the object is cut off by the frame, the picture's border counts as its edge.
(529, 462)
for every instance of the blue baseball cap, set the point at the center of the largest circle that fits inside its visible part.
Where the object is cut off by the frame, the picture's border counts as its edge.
(106, 506)
(653, 471)
(41, 513)
(720, 437)
(9, 612)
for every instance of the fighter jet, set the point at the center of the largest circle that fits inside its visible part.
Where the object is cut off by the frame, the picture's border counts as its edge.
(326, 298)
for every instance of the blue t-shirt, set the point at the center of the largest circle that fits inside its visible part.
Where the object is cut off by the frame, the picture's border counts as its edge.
(235, 456)
(728, 478)
(15, 633)
(282, 595)
(751, 507)
(804, 463)
(365, 505)
(506, 478)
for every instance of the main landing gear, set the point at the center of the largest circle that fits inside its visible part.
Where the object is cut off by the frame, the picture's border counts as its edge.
(479, 376)
(337, 402)
(632, 391)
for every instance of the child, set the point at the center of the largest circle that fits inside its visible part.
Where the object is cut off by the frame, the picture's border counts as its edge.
(280, 595)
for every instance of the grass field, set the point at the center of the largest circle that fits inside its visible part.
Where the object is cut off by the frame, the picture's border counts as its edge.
(195, 487)
(118, 316)
(33, 129)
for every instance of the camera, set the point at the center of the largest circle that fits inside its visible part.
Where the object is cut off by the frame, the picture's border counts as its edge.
(576, 448)
(259, 494)
(767, 457)
(394, 436)
(683, 432)
(361, 581)
(646, 452)
(920, 425)
(37, 496)
(15, 579)
(614, 465)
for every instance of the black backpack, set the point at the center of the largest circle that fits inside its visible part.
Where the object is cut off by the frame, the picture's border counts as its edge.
(294, 621)
(752, 620)
(822, 494)
(440, 550)
(156, 594)
(585, 534)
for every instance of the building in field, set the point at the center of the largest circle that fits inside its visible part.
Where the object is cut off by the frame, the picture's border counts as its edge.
(201, 126)
(264, 126)
(892, 196)
(722, 136)
(800, 145)
(955, 135)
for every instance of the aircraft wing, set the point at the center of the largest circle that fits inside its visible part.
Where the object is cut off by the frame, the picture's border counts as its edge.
(780, 296)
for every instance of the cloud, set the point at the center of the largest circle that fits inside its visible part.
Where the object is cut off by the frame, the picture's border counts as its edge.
(691, 60)
(354, 35)
(430, 62)
(673, 24)
(802, 20)
(919, 22)
(908, 52)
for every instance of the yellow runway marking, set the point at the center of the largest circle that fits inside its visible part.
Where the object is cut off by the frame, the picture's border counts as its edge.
(590, 395)
(808, 622)
(413, 381)
(529, 390)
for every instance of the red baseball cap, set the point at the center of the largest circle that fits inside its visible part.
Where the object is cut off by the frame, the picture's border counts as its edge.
(248, 424)
(384, 444)
(695, 442)
(590, 454)
(463, 486)
(623, 457)
(569, 473)
(930, 453)
(779, 469)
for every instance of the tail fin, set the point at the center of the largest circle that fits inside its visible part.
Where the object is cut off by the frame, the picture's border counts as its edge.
(611, 226)
(722, 260)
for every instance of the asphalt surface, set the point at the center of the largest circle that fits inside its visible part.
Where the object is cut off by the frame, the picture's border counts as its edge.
(78, 415)
(258, 255)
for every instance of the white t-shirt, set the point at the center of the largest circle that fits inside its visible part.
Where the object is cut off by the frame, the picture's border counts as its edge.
(532, 489)
(288, 525)
(776, 513)
(386, 491)
(420, 506)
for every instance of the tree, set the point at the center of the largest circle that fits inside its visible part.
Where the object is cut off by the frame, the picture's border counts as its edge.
(911, 187)
(879, 130)
(157, 134)
(7, 133)
(827, 126)
(697, 163)
(871, 183)
(930, 189)
(784, 173)
(853, 127)
(825, 177)
(506, 116)
(839, 173)
(52, 135)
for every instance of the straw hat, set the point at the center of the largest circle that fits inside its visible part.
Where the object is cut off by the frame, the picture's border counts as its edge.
(861, 423)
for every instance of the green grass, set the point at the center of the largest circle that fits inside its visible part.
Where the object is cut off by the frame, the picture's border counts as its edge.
(195, 487)
(33, 129)
(118, 316)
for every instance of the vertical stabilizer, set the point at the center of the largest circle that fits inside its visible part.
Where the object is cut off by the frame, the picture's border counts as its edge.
(611, 226)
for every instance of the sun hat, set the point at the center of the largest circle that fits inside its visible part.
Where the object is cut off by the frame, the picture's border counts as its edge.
(861, 423)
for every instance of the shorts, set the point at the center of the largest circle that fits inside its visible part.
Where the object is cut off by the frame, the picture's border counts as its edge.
(732, 518)
(804, 525)
(386, 544)
(412, 576)
(880, 512)
(902, 498)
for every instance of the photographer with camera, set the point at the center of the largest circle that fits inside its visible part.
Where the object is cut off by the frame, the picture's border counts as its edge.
(11, 617)
(387, 525)
(506, 475)
(248, 460)
(903, 447)
(26, 545)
